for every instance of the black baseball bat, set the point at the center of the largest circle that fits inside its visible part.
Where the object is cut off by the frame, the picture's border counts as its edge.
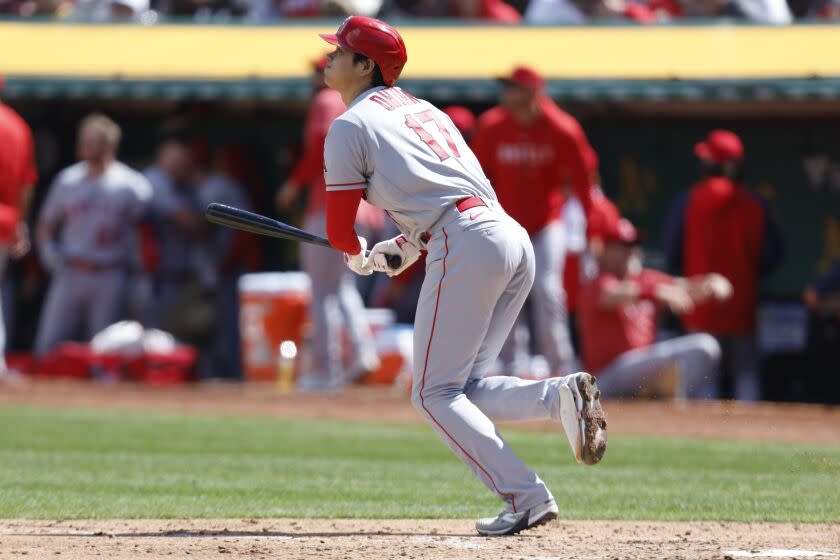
(244, 220)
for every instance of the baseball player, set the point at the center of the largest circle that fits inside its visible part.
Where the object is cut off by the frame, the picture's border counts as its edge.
(584, 234)
(219, 264)
(175, 211)
(336, 301)
(530, 149)
(404, 155)
(618, 311)
(719, 226)
(17, 177)
(86, 236)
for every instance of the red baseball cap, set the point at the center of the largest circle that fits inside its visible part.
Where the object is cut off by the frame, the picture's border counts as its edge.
(374, 39)
(622, 232)
(462, 118)
(526, 77)
(720, 146)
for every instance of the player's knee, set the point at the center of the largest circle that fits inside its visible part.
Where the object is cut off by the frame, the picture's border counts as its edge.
(708, 346)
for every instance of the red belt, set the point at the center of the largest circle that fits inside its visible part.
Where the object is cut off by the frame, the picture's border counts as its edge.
(470, 202)
(462, 205)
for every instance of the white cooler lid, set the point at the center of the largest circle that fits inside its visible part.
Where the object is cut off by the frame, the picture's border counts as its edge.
(274, 283)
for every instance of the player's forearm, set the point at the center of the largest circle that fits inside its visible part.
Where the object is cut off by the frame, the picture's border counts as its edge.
(619, 293)
(341, 218)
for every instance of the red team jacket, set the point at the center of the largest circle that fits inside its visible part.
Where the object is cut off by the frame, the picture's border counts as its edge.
(608, 333)
(529, 165)
(326, 106)
(720, 226)
(17, 167)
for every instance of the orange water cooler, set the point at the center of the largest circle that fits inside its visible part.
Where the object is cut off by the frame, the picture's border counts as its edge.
(273, 308)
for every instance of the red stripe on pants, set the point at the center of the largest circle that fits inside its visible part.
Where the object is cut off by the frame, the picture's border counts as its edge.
(423, 384)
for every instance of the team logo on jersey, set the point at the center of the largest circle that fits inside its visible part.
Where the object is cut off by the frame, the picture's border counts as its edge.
(524, 154)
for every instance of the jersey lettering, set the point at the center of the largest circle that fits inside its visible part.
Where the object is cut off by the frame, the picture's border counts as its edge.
(415, 122)
(393, 98)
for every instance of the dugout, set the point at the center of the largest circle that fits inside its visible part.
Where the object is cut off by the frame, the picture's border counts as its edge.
(644, 95)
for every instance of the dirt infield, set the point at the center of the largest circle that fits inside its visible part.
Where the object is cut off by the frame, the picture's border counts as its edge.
(728, 420)
(345, 539)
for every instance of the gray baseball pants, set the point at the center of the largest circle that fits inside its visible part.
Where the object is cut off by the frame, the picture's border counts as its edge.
(696, 357)
(478, 273)
(549, 320)
(80, 297)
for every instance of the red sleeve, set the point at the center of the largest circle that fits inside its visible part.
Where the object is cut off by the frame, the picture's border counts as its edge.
(325, 108)
(574, 151)
(311, 164)
(649, 279)
(341, 217)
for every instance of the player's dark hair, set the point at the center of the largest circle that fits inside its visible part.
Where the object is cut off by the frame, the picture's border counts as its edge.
(376, 78)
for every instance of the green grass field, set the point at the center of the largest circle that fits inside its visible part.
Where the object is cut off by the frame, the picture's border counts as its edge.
(69, 464)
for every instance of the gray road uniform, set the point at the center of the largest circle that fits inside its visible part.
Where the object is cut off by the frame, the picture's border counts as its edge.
(413, 162)
(90, 261)
(208, 256)
(175, 248)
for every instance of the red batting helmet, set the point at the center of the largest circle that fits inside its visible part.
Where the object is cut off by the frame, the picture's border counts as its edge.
(374, 39)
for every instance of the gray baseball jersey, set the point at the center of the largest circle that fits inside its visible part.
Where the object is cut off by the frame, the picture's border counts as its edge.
(479, 270)
(98, 242)
(97, 215)
(168, 199)
(407, 154)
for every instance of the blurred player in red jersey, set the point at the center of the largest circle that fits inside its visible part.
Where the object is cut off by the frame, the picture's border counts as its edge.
(530, 150)
(584, 239)
(17, 177)
(719, 226)
(618, 311)
(335, 299)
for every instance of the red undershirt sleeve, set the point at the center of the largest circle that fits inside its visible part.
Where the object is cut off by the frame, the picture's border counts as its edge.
(346, 179)
(341, 218)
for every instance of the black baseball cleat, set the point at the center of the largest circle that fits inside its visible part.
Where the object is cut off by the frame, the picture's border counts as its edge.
(508, 523)
(583, 418)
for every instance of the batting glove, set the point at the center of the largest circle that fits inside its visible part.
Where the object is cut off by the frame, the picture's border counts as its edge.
(399, 246)
(360, 263)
